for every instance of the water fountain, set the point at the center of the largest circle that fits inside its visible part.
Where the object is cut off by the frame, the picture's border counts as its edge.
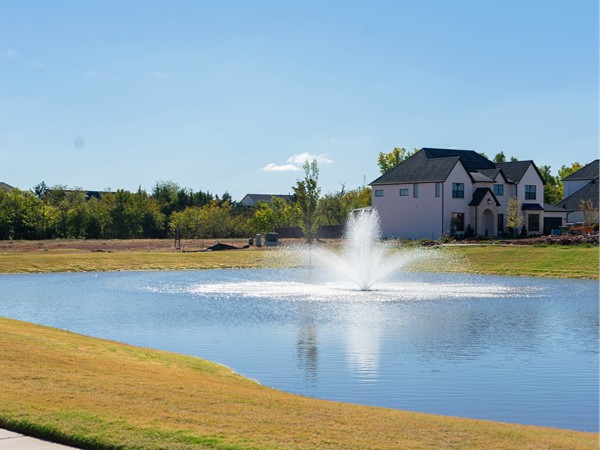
(364, 259)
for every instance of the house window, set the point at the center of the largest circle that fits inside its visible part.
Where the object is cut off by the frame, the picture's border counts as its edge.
(379, 193)
(403, 192)
(457, 222)
(498, 189)
(533, 222)
(500, 223)
(458, 190)
(530, 192)
(415, 190)
(438, 189)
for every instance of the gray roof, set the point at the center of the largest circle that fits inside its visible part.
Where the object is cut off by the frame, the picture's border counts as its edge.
(552, 208)
(480, 177)
(514, 171)
(532, 207)
(589, 192)
(266, 198)
(434, 164)
(589, 172)
(5, 187)
(479, 195)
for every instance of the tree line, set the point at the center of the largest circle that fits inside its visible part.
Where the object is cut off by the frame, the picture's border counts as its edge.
(60, 213)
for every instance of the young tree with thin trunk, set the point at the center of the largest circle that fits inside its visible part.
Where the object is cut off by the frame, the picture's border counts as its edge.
(307, 194)
(514, 218)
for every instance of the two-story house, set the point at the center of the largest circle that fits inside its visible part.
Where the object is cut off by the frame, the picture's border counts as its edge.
(445, 191)
(581, 186)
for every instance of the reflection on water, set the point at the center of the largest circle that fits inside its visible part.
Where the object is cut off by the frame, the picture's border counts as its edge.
(498, 348)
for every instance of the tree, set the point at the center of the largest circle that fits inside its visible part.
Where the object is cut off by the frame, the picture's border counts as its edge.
(514, 218)
(590, 211)
(552, 186)
(514, 159)
(565, 171)
(307, 197)
(387, 161)
(500, 157)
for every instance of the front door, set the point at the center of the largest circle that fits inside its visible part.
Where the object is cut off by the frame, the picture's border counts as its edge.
(488, 223)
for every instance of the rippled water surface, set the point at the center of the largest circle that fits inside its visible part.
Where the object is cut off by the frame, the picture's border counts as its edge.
(511, 349)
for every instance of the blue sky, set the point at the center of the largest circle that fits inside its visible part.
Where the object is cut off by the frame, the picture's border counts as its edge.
(232, 96)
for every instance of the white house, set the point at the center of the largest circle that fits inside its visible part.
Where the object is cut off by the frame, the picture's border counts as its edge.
(444, 191)
(580, 185)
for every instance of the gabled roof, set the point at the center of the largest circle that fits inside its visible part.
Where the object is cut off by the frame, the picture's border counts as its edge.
(589, 192)
(589, 172)
(479, 195)
(433, 164)
(514, 171)
(493, 173)
(480, 177)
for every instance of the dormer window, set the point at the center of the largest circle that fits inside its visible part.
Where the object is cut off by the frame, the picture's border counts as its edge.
(498, 190)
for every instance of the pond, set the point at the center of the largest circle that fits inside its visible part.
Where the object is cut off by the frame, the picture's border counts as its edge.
(518, 350)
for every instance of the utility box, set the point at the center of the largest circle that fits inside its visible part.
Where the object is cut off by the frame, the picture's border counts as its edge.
(271, 239)
(258, 240)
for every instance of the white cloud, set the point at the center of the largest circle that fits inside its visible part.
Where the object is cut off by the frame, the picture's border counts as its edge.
(300, 158)
(280, 168)
(37, 65)
(93, 74)
(296, 162)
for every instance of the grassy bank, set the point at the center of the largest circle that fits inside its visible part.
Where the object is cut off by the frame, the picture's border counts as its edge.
(551, 261)
(101, 394)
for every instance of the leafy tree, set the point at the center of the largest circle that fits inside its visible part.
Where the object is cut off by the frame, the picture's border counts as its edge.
(387, 161)
(276, 214)
(514, 159)
(307, 196)
(565, 171)
(514, 218)
(552, 186)
(500, 157)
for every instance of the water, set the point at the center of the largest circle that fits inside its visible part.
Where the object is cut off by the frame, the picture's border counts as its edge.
(519, 350)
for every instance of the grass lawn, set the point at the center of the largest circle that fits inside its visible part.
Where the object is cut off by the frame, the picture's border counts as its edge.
(101, 394)
(551, 261)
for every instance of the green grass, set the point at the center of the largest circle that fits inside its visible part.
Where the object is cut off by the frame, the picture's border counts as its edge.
(100, 394)
(549, 261)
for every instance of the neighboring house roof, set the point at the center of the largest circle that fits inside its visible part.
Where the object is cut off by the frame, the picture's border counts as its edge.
(515, 170)
(589, 172)
(589, 192)
(265, 198)
(479, 195)
(5, 187)
(88, 194)
(435, 164)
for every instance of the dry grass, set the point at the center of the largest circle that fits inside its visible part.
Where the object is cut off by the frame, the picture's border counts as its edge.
(79, 256)
(101, 394)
